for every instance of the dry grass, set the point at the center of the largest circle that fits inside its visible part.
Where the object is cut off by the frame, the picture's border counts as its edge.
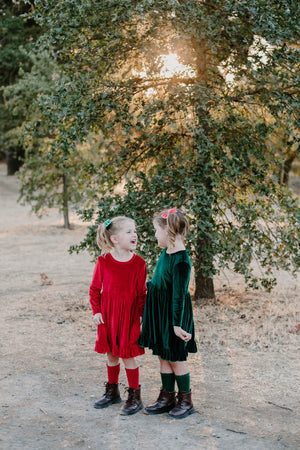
(251, 319)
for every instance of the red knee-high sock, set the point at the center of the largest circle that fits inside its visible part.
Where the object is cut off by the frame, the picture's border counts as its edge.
(133, 377)
(113, 374)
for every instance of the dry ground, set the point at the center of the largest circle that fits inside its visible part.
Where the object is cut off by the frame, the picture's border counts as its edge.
(245, 377)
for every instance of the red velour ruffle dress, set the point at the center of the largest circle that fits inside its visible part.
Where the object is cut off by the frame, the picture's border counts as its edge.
(118, 291)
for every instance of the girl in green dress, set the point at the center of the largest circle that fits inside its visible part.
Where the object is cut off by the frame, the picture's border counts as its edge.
(168, 326)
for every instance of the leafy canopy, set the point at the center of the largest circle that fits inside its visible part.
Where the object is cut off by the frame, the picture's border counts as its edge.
(196, 138)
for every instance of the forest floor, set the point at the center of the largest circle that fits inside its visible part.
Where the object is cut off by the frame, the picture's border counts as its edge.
(245, 377)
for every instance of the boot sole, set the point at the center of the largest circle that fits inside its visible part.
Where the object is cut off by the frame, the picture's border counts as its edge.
(191, 411)
(153, 413)
(116, 400)
(124, 413)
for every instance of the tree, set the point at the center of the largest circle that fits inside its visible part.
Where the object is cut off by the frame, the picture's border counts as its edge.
(46, 179)
(16, 35)
(195, 138)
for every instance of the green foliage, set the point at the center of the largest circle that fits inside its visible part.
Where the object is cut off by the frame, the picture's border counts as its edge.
(42, 182)
(44, 171)
(21, 98)
(198, 139)
(17, 36)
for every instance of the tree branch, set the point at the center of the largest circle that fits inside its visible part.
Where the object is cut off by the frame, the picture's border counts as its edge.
(263, 90)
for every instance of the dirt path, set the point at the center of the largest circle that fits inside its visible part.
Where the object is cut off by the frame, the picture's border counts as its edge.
(245, 377)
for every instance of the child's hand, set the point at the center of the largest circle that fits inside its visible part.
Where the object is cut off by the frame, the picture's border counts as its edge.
(182, 334)
(98, 319)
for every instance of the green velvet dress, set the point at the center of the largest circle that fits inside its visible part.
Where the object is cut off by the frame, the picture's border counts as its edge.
(169, 303)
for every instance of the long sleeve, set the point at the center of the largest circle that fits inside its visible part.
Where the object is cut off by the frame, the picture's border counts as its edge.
(142, 289)
(95, 288)
(181, 277)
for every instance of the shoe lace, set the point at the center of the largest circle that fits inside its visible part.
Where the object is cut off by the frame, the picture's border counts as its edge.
(106, 385)
(161, 394)
(130, 392)
(179, 397)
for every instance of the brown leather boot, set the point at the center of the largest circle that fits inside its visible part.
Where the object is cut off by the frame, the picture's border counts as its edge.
(112, 395)
(134, 402)
(184, 406)
(164, 403)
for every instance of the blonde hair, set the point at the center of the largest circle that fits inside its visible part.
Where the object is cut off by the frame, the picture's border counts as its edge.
(107, 229)
(176, 222)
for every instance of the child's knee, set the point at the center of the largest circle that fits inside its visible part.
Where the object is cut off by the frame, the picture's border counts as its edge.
(112, 360)
(129, 363)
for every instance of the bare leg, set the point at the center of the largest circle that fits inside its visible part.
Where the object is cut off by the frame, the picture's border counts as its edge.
(130, 363)
(165, 366)
(179, 367)
(112, 360)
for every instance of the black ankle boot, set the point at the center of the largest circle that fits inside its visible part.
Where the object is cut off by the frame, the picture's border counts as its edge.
(134, 402)
(112, 395)
(164, 403)
(184, 406)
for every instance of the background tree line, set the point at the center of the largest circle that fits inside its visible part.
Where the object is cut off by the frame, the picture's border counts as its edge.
(113, 132)
(17, 35)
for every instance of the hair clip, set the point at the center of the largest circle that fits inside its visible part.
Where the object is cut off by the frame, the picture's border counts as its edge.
(165, 215)
(107, 223)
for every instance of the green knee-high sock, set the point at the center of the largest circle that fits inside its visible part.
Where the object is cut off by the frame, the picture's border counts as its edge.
(183, 382)
(168, 381)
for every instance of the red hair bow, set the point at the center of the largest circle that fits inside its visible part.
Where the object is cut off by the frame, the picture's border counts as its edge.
(165, 215)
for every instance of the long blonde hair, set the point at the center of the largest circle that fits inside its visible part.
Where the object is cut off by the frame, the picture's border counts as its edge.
(176, 222)
(107, 229)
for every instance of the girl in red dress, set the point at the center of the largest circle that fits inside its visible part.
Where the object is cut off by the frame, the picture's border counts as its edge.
(117, 296)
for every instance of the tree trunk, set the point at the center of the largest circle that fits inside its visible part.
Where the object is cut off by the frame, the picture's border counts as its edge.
(204, 267)
(14, 159)
(204, 288)
(65, 202)
(204, 285)
(287, 167)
